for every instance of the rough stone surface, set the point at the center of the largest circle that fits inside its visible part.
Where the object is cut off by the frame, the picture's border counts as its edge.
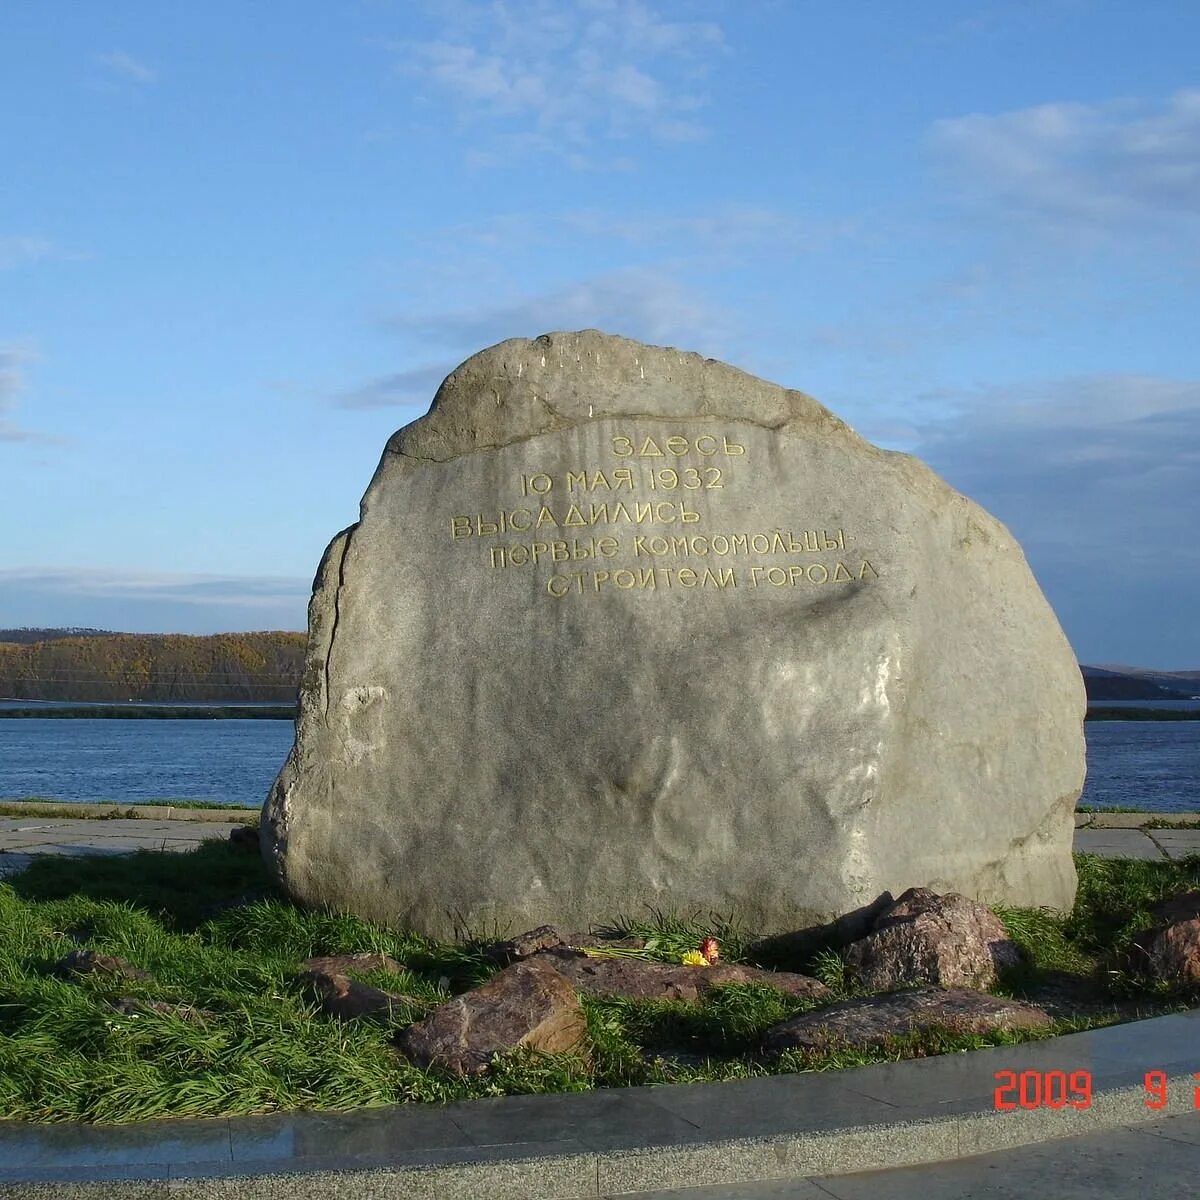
(926, 938)
(342, 964)
(92, 962)
(528, 1004)
(1170, 950)
(244, 837)
(875, 1019)
(639, 979)
(850, 683)
(350, 1000)
(135, 1006)
(525, 945)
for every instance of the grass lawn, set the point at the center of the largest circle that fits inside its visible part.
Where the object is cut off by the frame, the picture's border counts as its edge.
(45, 806)
(213, 935)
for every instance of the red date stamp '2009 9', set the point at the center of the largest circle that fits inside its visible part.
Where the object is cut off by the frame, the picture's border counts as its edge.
(1069, 1089)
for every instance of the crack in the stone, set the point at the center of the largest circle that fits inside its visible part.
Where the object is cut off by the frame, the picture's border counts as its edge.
(337, 612)
(570, 423)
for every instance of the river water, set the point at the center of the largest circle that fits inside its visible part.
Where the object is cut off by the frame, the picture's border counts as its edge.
(1152, 765)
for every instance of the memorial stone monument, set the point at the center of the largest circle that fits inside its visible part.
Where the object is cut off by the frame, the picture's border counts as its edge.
(623, 626)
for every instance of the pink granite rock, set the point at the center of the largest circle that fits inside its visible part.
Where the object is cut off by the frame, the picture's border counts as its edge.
(945, 940)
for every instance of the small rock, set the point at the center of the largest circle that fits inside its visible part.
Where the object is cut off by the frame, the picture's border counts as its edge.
(244, 837)
(945, 940)
(91, 962)
(524, 945)
(344, 964)
(639, 979)
(132, 1006)
(527, 1004)
(349, 1000)
(873, 1020)
(1170, 949)
(577, 941)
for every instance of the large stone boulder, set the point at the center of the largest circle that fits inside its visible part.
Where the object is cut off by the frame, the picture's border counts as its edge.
(620, 625)
(926, 938)
(1169, 950)
(875, 1020)
(639, 979)
(526, 1005)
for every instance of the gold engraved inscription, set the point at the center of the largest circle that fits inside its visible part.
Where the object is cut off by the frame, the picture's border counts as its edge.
(626, 446)
(556, 509)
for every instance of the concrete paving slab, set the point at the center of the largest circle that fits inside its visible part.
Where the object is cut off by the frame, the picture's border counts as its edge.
(165, 811)
(606, 1119)
(1120, 820)
(1122, 1164)
(371, 1134)
(1116, 843)
(769, 1189)
(1176, 843)
(84, 837)
(13, 864)
(1182, 1128)
(768, 1106)
(27, 1144)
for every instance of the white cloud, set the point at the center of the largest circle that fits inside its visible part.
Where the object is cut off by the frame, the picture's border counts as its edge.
(12, 376)
(649, 305)
(14, 357)
(176, 587)
(121, 63)
(560, 76)
(17, 251)
(1095, 164)
(413, 387)
(1097, 477)
(1099, 470)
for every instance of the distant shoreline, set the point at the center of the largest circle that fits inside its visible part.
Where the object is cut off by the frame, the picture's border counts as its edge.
(287, 712)
(1102, 713)
(144, 712)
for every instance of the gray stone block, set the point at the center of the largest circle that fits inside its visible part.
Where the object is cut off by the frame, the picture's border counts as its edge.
(622, 626)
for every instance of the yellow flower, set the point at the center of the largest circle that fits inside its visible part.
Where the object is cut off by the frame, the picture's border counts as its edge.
(693, 958)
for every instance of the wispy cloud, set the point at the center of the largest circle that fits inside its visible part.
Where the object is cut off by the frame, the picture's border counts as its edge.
(1095, 164)
(650, 305)
(646, 304)
(562, 76)
(1102, 469)
(723, 231)
(150, 601)
(1097, 477)
(241, 590)
(414, 387)
(121, 63)
(18, 251)
(14, 358)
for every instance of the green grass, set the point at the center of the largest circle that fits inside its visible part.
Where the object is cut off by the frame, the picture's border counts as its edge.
(45, 806)
(215, 936)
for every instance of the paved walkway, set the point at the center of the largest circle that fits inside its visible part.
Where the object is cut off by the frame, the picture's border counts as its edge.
(794, 1135)
(626, 1141)
(23, 837)
(1156, 1161)
(1111, 835)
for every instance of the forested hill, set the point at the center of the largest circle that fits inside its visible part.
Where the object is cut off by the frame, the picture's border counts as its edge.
(25, 634)
(153, 666)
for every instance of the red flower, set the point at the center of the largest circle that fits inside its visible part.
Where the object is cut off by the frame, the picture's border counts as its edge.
(711, 949)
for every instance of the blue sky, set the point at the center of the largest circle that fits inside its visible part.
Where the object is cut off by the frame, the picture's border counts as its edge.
(241, 244)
